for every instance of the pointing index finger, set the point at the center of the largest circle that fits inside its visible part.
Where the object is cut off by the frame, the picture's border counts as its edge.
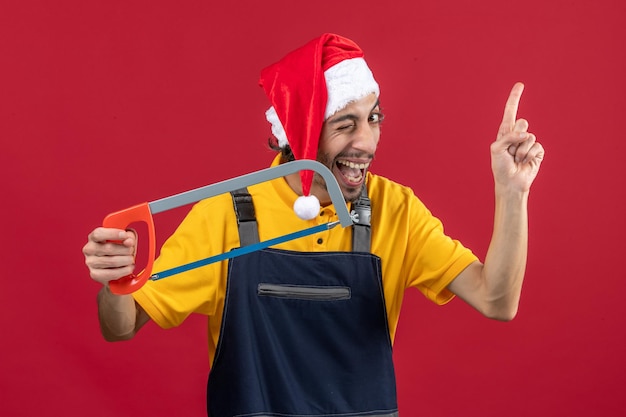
(510, 108)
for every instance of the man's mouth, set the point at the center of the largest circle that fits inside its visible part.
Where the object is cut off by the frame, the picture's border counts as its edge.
(352, 172)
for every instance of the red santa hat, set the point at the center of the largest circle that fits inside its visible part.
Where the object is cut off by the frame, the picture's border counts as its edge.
(305, 88)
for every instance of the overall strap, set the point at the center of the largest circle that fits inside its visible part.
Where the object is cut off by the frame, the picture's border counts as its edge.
(249, 233)
(361, 230)
(246, 218)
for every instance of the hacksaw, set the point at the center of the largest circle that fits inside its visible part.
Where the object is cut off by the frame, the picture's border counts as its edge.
(143, 213)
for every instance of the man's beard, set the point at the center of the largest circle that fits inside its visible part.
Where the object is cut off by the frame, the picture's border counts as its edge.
(350, 194)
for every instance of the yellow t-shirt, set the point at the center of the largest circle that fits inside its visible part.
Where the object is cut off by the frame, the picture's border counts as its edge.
(410, 241)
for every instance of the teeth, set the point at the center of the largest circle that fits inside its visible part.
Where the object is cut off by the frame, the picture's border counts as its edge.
(353, 165)
(355, 179)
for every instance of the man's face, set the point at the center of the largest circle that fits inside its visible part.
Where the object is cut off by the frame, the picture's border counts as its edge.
(348, 143)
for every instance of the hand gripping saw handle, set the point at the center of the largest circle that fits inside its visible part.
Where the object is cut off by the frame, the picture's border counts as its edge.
(143, 212)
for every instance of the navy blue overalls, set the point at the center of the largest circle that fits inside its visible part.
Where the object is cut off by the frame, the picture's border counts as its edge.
(303, 333)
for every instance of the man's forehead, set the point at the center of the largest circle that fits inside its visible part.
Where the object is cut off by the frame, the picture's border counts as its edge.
(363, 105)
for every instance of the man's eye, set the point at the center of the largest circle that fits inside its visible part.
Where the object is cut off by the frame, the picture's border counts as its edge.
(376, 118)
(344, 127)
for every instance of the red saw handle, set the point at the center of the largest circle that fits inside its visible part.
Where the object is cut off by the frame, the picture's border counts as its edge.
(121, 220)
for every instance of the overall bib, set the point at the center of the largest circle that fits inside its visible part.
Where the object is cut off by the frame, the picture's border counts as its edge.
(303, 334)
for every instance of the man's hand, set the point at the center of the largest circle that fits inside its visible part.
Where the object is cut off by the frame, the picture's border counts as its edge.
(515, 155)
(110, 254)
(494, 288)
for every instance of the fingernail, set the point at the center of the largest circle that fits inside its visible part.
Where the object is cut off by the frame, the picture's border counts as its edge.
(523, 135)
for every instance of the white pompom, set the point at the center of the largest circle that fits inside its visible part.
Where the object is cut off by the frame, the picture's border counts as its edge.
(307, 207)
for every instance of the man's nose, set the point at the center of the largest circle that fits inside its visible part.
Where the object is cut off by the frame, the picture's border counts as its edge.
(366, 138)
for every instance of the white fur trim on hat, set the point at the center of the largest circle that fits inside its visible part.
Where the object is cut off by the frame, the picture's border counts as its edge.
(277, 127)
(348, 81)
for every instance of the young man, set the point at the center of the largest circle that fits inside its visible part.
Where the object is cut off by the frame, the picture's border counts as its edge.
(305, 328)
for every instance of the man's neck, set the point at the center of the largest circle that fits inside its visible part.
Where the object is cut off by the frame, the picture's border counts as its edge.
(293, 180)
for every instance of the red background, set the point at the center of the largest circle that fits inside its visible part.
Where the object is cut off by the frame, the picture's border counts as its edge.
(105, 104)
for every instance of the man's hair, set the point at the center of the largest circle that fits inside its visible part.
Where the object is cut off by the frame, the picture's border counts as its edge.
(286, 154)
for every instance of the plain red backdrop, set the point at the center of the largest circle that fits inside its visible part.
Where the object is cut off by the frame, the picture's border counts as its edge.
(105, 104)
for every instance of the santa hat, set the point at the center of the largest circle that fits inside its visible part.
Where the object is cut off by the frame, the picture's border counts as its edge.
(305, 88)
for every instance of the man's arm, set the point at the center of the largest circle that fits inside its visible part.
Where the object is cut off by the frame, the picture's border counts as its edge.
(494, 288)
(120, 316)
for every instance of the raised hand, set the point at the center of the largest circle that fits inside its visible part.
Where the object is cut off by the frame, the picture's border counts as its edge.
(515, 155)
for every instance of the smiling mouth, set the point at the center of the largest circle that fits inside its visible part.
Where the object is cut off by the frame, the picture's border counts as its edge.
(352, 172)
